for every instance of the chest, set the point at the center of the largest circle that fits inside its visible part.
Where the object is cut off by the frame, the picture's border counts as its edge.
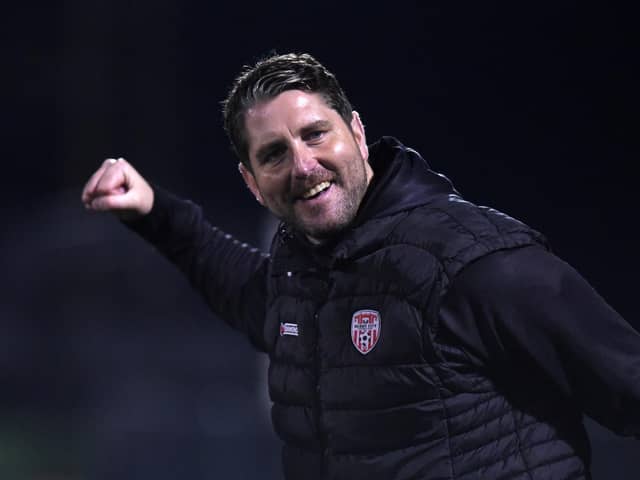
(366, 310)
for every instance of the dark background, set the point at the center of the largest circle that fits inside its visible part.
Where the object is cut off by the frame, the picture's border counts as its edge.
(110, 366)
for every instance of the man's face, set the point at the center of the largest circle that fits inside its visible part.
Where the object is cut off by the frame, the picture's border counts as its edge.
(309, 168)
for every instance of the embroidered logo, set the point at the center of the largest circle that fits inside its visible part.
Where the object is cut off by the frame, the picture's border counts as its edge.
(289, 329)
(365, 330)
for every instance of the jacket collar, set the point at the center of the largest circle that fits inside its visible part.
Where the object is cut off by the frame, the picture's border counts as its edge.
(402, 181)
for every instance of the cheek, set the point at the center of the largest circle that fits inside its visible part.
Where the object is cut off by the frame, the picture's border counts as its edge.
(338, 148)
(273, 185)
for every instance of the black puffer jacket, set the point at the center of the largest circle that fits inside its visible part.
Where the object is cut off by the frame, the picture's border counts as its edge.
(368, 377)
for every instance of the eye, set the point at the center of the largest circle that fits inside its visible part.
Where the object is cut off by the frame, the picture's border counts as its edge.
(274, 155)
(314, 135)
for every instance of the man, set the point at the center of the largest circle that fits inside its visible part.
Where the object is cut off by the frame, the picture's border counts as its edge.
(412, 334)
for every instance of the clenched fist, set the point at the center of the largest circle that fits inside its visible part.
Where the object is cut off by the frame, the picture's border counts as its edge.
(118, 188)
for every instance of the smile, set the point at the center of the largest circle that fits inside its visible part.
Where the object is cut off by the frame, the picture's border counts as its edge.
(312, 192)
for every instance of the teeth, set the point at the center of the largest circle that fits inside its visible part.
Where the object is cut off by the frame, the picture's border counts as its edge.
(315, 190)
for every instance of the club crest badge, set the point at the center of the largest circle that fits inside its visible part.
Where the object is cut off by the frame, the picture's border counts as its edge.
(365, 330)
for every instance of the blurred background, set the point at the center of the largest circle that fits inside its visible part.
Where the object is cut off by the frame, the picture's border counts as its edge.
(110, 366)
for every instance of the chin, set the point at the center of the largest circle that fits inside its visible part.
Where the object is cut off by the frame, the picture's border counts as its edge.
(324, 232)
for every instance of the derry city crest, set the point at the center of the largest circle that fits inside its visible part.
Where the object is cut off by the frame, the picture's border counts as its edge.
(365, 330)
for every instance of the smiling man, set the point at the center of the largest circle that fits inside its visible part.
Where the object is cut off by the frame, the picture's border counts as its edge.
(412, 334)
(305, 163)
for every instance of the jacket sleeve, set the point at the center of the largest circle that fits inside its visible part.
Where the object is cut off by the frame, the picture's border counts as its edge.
(525, 306)
(229, 274)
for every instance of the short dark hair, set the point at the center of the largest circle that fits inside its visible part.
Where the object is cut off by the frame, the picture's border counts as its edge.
(270, 77)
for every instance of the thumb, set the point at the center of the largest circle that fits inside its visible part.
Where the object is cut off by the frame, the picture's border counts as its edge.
(116, 199)
(126, 204)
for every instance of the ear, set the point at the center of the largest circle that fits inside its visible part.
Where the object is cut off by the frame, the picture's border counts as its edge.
(358, 133)
(250, 181)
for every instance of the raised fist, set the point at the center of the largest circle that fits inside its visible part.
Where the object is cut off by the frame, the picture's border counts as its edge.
(118, 188)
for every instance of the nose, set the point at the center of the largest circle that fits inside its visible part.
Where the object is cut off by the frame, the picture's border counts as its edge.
(304, 161)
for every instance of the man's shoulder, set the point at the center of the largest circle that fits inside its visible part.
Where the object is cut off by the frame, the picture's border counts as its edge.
(457, 231)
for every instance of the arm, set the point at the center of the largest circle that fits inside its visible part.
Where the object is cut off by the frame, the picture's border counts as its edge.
(228, 274)
(527, 306)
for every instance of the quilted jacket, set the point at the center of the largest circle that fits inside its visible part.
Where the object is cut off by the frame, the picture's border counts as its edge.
(387, 358)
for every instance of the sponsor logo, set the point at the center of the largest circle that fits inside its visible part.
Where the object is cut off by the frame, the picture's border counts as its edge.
(365, 330)
(289, 329)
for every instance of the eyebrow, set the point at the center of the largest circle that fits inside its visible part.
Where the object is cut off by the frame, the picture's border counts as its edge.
(318, 124)
(273, 144)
